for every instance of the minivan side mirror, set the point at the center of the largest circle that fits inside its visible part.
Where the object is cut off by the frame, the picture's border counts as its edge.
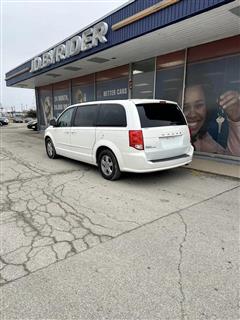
(53, 122)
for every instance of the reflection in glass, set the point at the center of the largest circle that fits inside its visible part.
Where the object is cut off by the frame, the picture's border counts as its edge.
(143, 79)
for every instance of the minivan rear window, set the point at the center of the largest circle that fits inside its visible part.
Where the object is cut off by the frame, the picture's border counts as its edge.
(160, 115)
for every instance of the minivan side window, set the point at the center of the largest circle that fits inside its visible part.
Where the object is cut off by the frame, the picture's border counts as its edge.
(111, 115)
(65, 119)
(85, 116)
(160, 115)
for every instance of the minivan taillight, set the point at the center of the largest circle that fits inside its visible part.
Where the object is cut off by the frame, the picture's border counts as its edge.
(136, 139)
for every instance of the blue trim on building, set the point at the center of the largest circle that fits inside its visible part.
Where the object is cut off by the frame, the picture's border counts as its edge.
(182, 10)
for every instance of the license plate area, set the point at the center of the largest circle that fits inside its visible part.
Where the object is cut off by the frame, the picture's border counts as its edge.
(170, 142)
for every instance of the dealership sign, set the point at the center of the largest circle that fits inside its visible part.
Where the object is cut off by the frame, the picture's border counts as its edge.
(89, 39)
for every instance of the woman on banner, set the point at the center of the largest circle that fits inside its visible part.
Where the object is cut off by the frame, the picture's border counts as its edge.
(200, 106)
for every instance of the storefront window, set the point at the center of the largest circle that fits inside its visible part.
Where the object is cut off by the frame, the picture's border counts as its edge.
(212, 102)
(112, 84)
(143, 79)
(83, 89)
(61, 97)
(46, 105)
(170, 76)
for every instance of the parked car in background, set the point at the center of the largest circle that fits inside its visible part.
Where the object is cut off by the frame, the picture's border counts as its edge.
(32, 125)
(26, 120)
(17, 119)
(122, 135)
(3, 121)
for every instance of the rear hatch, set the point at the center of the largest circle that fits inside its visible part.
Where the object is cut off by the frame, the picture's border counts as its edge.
(165, 131)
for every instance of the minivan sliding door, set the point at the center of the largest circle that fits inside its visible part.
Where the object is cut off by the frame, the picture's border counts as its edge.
(83, 132)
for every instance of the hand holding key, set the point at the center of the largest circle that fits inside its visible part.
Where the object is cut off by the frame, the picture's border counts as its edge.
(230, 102)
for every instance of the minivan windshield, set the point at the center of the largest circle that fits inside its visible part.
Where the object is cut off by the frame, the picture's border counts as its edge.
(160, 115)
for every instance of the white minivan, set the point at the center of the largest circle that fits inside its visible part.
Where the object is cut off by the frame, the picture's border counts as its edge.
(122, 135)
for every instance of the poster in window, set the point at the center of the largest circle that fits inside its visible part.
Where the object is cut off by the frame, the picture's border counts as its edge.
(61, 101)
(212, 105)
(82, 93)
(46, 106)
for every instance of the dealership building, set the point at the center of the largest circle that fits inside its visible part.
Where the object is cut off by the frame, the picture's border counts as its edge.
(182, 50)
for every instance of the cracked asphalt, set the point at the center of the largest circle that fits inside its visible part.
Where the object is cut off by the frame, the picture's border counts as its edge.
(75, 246)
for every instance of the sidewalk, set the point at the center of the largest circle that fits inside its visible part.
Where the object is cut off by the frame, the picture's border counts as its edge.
(215, 166)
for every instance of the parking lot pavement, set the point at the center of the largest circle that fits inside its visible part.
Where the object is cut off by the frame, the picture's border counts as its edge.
(168, 241)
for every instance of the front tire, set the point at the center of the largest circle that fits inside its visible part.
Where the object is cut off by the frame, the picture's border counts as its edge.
(51, 152)
(108, 165)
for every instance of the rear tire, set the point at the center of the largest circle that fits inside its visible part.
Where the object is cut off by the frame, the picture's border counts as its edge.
(50, 149)
(108, 165)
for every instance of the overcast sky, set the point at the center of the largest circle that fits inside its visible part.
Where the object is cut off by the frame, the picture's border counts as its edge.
(30, 27)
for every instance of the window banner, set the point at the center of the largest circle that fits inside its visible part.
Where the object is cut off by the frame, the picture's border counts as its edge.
(115, 89)
(61, 101)
(82, 93)
(212, 105)
(46, 106)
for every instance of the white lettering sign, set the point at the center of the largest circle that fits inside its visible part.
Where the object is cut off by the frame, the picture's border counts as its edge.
(114, 92)
(90, 38)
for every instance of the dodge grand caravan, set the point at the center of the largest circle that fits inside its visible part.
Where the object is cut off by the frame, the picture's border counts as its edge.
(122, 135)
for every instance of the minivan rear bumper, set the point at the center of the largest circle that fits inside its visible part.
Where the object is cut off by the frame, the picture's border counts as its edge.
(137, 162)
